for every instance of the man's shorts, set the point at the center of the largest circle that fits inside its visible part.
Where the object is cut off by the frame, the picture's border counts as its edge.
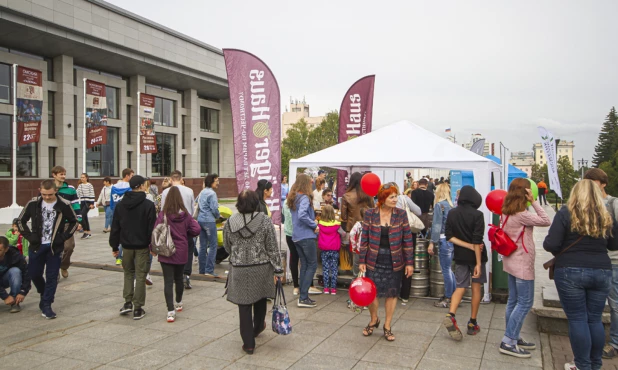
(463, 274)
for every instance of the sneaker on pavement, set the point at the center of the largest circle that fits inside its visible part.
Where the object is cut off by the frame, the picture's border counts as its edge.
(514, 351)
(326, 290)
(15, 308)
(128, 307)
(178, 307)
(306, 303)
(148, 280)
(84, 236)
(296, 290)
(88, 236)
(188, 282)
(403, 300)
(139, 314)
(609, 351)
(64, 273)
(314, 290)
(333, 291)
(450, 324)
(212, 275)
(570, 366)
(524, 344)
(443, 303)
(48, 313)
(118, 261)
(473, 329)
(171, 316)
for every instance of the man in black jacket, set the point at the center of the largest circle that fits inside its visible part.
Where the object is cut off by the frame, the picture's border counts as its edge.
(53, 222)
(132, 225)
(423, 198)
(13, 275)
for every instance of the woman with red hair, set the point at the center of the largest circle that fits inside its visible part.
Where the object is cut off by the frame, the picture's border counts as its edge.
(386, 250)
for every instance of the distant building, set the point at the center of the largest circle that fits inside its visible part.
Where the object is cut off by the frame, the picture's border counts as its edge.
(298, 110)
(489, 147)
(523, 160)
(564, 149)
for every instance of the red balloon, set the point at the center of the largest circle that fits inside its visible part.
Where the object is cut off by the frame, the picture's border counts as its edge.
(370, 183)
(363, 291)
(495, 200)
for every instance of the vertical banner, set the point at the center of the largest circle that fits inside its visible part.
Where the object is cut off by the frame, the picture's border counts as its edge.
(148, 140)
(256, 120)
(355, 119)
(549, 146)
(96, 114)
(29, 100)
(478, 147)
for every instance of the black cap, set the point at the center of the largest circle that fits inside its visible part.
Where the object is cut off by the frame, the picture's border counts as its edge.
(321, 172)
(137, 181)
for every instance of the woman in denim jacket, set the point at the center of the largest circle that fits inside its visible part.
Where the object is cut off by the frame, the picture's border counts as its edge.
(441, 208)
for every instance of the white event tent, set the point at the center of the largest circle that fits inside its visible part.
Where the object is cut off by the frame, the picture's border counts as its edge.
(403, 145)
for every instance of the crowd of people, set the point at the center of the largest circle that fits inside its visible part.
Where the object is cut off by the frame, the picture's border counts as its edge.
(379, 235)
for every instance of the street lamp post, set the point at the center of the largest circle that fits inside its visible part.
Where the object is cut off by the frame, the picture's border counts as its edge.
(582, 163)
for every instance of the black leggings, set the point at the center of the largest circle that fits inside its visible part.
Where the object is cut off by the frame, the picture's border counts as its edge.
(84, 210)
(250, 325)
(172, 274)
(293, 260)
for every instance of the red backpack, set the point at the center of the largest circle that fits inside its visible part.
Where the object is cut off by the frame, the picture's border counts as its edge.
(502, 243)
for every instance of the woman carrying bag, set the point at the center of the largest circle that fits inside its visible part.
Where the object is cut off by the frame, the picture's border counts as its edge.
(579, 238)
(249, 238)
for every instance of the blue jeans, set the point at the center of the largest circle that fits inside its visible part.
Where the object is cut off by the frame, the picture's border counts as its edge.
(583, 292)
(521, 297)
(445, 253)
(613, 304)
(308, 255)
(330, 261)
(11, 279)
(109, 214)
(208, 241)
(119, 252)
(44, 260)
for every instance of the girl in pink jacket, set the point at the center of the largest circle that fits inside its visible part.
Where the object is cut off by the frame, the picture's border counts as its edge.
(518, 223)
(329, 242)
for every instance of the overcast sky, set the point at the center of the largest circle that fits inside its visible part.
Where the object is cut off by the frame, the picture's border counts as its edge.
(499, 68)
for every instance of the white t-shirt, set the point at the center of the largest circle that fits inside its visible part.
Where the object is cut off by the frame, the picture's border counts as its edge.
(317, 198)
(48, 214)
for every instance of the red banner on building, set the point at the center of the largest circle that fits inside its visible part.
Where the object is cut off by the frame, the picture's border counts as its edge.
(256, 118)
(29, 105)
(148, 140)
(96, 114)
(355, 119)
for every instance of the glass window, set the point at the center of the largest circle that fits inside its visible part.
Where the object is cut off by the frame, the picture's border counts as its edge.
(51, 123)
(5, 83)
(75, 163)
(182, 130)
(209, 120)
(209, 156)
(102, 160)
(50, 69)
(128, 124)
(111, 96)
(164, 161)
(164, 112)
(26, 155)
(52, 159)
(75, 117)
(129, 155)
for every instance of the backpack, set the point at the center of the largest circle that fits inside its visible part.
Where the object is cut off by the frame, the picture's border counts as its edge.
(161, 242)
(416, 225)
(501, 242)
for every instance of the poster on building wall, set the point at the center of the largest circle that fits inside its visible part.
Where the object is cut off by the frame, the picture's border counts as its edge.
(29, 91)
(146, 123)
(96, 114)
(256, 121)
(355, 119)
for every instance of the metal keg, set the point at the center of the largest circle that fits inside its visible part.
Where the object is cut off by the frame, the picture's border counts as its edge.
(420, 284)
(421, 257)
(436, 279)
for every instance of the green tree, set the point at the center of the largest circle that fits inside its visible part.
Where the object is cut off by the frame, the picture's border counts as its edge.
(608, 139)
(567, 175)
(301, 140)
(539, 172)
(611, 168)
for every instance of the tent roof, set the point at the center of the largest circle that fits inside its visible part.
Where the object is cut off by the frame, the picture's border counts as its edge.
(402, 144)
(513, 171)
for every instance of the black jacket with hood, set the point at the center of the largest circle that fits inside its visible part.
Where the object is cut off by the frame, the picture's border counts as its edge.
(133, 222)
(65, 224)
(13, 258)
(467, 223)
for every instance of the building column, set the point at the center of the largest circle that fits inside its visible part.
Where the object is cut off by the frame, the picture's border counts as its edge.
(66, 121)
(192, 135)
(136, 83)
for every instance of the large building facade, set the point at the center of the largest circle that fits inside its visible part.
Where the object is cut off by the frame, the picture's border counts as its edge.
(563, 149)
(298, 110)
(69, 40)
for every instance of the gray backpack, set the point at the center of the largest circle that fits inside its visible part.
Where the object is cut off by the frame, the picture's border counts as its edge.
(161, 242)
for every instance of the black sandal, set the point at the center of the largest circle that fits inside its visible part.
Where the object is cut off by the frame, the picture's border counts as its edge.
(388, 334)
(369, 328)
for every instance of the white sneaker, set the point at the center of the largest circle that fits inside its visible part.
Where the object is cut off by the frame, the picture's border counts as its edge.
(148, 280)
(178, 306)
(171, 316)
(195, 260)
(296, 290)
(314, 290)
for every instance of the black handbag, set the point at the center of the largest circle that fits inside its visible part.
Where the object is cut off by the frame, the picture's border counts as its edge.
(551, 264)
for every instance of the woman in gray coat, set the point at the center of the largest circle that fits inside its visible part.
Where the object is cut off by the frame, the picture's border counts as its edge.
(249, 238)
